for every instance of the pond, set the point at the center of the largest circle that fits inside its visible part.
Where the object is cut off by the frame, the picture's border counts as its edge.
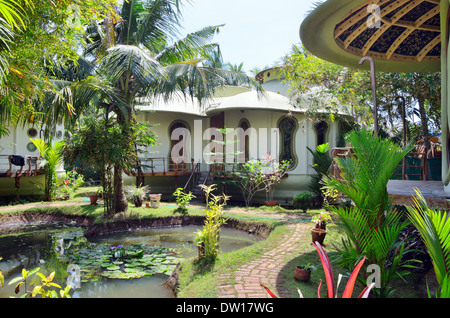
(132, 264)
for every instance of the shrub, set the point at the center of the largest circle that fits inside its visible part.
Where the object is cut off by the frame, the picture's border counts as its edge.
(136, 194)
(303, 201)
(183, 199)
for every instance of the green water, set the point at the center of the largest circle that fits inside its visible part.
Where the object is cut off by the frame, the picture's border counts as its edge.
(58, 248)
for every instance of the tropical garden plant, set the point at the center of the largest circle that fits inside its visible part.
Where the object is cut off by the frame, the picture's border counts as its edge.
(182, 199)
(259, 175)
(51, 157)
(332, 287)
(44, 288)
(303, 201)
(434, 228)
(207, 239)
(372, 226)
(137, 194)
(321, 164)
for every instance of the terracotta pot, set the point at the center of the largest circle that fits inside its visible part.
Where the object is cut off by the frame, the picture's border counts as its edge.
(271, 203)
(318, 235)
(93, 199)
(302, 274)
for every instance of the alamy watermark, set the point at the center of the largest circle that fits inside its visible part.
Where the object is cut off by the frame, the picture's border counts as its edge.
(374, 19)
(223, 146)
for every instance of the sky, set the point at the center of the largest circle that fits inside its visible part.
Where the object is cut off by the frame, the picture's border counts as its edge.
(257, 33)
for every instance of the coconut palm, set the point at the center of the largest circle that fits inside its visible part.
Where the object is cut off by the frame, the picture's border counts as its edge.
(140, 56)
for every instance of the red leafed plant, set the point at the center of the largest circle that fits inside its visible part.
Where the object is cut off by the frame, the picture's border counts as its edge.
(330, 278)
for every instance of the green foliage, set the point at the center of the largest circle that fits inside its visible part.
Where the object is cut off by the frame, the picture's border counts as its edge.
(322, 218)
(434, 228)
(72, 180)
(51, 157)
(303, 201)
(208, 238)
(105, 145)
(2, 278)
(332, 287)
(372, 226)
(321, 164)
(259, 175)
(43, 287)
(183, 199)
(136, 194)
(50, 35)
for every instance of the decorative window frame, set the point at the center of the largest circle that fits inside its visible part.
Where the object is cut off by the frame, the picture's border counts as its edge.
(281, 139)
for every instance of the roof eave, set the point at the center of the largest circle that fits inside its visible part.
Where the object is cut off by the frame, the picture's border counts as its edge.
(317, 36)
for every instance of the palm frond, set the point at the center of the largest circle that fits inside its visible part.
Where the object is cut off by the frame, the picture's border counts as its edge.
(434, 227)
(194, 45)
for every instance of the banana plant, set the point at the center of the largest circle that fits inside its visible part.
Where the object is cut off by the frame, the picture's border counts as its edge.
(329, 278)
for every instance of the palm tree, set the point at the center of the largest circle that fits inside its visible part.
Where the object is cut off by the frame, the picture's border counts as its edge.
(140, 56)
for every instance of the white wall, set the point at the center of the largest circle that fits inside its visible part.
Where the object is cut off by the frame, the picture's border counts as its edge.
(261, 121)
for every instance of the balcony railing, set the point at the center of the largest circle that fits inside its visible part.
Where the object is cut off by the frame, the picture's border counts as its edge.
(161, 166)
(19, 166)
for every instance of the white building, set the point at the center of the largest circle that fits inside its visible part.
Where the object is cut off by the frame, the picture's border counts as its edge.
(273, 123)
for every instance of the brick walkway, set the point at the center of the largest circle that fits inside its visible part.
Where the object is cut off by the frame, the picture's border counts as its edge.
(246, 281)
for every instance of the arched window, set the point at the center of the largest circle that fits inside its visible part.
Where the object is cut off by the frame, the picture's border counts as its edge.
(321, 128)
(244, 141)
(287, 127)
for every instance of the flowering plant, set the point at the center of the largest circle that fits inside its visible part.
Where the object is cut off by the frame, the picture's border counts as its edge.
(118, 252)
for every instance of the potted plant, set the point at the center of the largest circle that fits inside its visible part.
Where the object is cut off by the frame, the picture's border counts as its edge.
(321, 220)
(303, 272)
(136, 194)
(93, 196)
(318, 235)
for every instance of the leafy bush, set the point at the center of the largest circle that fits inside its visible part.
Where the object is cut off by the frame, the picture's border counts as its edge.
(183, 199)
(208, 238)
(303, 201)
(136, 194)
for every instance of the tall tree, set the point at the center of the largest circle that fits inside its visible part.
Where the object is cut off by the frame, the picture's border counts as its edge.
(139, 55)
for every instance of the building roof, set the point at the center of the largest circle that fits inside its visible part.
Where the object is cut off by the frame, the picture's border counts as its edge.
(400, 35)
(242, 98)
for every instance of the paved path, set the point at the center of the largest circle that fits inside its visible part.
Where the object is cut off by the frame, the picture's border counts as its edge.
(246, 281)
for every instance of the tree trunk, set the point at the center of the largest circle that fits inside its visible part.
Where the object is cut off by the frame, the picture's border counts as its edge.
(121, 203)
